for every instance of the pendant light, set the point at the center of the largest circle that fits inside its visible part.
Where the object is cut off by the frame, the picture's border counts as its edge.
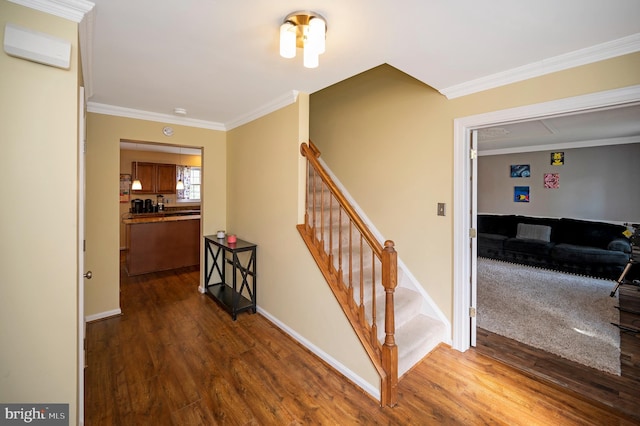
(136, 185)
(180, 184)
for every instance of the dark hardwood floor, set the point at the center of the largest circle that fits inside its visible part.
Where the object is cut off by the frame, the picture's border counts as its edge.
(175, 358)
(621, 392)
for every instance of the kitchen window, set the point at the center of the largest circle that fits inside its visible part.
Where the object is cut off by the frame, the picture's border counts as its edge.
(190, 177)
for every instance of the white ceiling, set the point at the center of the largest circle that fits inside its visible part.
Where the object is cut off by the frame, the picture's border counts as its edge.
(608, 126)
(219, 60)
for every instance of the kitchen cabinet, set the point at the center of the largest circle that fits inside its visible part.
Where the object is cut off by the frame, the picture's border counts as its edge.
(161, 243)
(166, 179)
(155, 178)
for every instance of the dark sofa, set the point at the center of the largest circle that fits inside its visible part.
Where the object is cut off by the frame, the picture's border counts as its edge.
(582, 247)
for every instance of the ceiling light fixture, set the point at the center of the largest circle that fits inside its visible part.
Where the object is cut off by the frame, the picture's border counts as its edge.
(136, 185)
(180, 183)
(306, 30)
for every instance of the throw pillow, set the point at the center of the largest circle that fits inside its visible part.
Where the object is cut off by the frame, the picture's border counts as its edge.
(527, 231)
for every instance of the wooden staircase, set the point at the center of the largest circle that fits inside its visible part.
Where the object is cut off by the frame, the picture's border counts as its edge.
(363, 275)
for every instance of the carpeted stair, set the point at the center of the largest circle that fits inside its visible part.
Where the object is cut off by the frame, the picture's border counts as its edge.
(416, 334)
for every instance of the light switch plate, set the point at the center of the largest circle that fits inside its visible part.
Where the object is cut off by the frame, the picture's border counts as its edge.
(441, 209)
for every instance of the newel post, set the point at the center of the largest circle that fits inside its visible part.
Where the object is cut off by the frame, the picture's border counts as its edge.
(389, 385)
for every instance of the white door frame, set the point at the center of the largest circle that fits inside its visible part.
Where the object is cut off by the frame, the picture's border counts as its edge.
(462, 185)
(81, 232)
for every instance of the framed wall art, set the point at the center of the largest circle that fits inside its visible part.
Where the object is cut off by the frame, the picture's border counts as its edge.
(520, 171)
(521, 194)
(552, 180)
(557, 158)
(125, 187)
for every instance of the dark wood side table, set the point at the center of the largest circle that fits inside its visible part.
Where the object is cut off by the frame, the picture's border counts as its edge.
(230, 274)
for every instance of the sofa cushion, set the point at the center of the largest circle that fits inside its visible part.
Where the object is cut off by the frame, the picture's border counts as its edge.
(533, 247)
(587, 233)
(570, 253)
(528, 231)
(490, 245)
(496, 224)
(491, 240)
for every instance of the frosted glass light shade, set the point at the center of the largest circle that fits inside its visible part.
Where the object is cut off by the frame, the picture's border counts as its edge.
(288, 40)
(310, 58)
(180, 185)
(317, 30)
(136, 185)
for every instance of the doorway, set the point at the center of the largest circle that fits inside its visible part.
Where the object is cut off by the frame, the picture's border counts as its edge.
(464, 187)
(177, 197)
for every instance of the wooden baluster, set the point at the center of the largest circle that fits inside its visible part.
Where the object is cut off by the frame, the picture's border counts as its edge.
(315, 204)
(331, 225)
(389, 391)
(306, 198)
(351, 260)
(322, 218)
(340, 251)
(374, 322)
(361, 303)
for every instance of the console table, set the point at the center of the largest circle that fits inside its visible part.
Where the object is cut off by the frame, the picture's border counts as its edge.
(230, 274)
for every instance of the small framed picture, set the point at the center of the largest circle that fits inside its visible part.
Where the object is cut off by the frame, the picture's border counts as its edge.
(552, 180)
(521, 194)
(557, 158)
(125, 187)
(520, 171)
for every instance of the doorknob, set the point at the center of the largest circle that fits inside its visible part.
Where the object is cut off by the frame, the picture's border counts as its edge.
(88, 275)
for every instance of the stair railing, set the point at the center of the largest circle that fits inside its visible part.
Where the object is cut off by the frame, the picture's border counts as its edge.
(355, 266)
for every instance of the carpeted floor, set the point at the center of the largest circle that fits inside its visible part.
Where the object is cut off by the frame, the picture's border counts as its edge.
(567, 315)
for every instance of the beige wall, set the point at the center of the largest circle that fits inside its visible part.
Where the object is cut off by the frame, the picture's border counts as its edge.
(596, 183)
(388, 138)
(396, 131)
(39, 244)
(128, 156)
(263, 199)
(103, 208)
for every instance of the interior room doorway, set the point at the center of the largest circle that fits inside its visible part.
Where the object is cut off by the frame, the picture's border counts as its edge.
(173, 188)
(464, 187)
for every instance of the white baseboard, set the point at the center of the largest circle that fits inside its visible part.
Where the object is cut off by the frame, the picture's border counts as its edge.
(357, 380)
(103, 315)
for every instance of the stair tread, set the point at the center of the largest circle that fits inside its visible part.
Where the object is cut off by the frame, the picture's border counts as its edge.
(416, 339)
(407, 305)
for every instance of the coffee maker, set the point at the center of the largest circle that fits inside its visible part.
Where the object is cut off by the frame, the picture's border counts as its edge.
(137, 205)
(160, 202)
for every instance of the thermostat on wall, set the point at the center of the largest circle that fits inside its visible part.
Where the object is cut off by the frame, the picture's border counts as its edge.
(36, 46)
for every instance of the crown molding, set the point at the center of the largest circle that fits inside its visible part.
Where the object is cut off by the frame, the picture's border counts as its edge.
(280, 102)
(599, 52)
(85, 37)
(73, 10)
(560, 145)
(152, 116)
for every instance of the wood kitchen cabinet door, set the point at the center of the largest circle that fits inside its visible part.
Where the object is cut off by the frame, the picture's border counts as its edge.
(146, 172)
(166, 179)
(155, 178)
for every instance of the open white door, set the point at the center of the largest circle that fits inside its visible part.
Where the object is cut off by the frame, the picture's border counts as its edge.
(82, 143)
(473, 220)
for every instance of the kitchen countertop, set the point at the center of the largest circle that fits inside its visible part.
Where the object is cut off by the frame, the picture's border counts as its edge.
(159, 218)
